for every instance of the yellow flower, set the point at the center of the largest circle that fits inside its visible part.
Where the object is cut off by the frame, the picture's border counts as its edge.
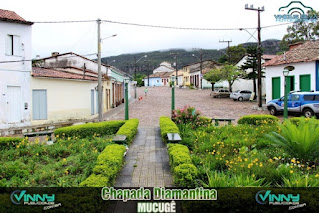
(18, 146)
(291, 171)
(270, 160)
(57, 136)
(293, 160)
(246, 159)
(253, 175)
(317, 175)
(260, 165)
(69, 138)
(37, 154)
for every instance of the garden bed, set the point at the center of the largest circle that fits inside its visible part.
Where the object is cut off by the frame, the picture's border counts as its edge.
(80, 152)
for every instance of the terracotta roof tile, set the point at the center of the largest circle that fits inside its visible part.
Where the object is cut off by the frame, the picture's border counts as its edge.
(52, 73)
(306, 52)
(7, 15)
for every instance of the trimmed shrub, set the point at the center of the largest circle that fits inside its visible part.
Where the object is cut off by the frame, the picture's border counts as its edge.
(129, 129)
(9, 141)
(90, 129)
(167, 126)
(184, 171)
(258, 119)
(185, 175)
(179, 154)
(108, 164)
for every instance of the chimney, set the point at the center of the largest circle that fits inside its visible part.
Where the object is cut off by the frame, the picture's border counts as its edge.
(294, 45)
(55, 53)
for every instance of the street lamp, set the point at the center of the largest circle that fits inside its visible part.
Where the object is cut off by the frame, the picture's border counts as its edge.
(99, 85)
(200, 67)
(126, 81)
(173, 93)
(135, 62)
(285, 72)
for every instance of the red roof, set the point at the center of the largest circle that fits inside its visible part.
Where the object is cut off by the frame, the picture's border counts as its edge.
(52, 73)
(11, 16)
(306, 52)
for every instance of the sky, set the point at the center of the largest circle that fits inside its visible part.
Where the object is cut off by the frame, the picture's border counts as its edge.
(81, 38)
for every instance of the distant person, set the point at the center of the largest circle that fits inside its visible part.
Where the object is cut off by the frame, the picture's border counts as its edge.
(145, 91)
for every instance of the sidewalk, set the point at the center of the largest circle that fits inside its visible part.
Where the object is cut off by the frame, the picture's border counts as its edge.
(146, 162)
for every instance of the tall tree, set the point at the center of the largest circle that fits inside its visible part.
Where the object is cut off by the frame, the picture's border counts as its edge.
(301, 31)
(250, 66)
(230, 73)
(234, 54)
(213, 76)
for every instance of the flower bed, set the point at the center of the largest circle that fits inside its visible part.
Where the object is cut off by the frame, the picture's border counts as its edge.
(248, 155)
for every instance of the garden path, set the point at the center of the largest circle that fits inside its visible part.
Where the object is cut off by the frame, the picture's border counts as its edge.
(146, 161)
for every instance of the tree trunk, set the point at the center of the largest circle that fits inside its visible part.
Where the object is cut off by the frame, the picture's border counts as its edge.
(213, 84)
(230, 86)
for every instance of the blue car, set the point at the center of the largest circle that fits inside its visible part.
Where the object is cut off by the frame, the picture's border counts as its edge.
(302, 103)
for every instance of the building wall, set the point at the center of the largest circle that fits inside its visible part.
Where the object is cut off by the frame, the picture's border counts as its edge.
(154, 82)
(15, 74)
(245, 84)
(66, 99)
(300, 69)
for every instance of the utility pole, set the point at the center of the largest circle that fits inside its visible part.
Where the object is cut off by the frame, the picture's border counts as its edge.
(175, 57)
(228, 41)
(135, 95)
(201, 68)
(99, 86)
(258, 51)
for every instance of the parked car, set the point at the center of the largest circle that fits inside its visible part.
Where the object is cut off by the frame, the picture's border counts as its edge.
(302, 103)
(241, 95)
(220, 93)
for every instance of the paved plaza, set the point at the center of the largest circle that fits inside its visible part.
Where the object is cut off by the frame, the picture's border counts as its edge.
(158, 103)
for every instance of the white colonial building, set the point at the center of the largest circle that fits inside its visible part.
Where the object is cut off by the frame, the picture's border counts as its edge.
(15, 68)
(304, 57)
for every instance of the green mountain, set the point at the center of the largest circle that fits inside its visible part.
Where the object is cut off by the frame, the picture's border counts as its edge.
(125, 62)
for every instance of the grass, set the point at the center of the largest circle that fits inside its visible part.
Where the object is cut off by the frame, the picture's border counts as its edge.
(242, 155)
(66, 163)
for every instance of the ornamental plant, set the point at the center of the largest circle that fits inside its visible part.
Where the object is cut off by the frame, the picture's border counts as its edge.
(187, 115)
(300, 141)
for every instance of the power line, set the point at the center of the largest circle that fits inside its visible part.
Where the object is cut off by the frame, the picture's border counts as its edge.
(62, 22)
(154, 26)
(26, 60)
(170, 27)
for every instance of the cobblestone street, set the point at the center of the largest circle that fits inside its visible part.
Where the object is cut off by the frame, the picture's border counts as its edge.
(158, 103)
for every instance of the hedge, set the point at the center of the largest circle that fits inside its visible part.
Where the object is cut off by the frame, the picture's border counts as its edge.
(184, 171)
(258, 119)
(167, 126)
(129, 129)
(90, 129)
(9, 141)
(108, 164)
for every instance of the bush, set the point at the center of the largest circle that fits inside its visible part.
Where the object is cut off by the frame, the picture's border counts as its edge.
(9, 141)
(178, 154)
(107, 166)
(167, 126)
(184, 171)
(129, 129)
(90, 129)
(189, 115)
(300, 141)
(258, 119)
(185, 175)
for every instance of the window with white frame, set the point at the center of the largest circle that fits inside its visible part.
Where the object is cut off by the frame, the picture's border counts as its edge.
(13, 45)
